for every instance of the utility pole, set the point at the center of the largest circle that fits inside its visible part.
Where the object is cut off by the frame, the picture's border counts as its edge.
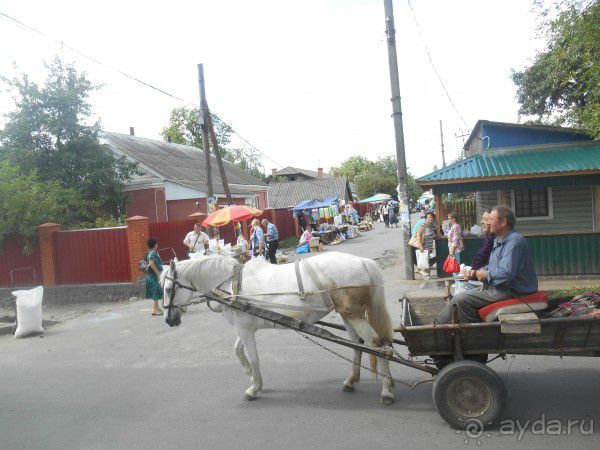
(390, 32)
(215, 144)
(442, 139)
(205, 141)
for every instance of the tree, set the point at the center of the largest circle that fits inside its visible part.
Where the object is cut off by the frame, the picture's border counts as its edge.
(26, 201)
(352, 167)
(381, 176)
(184, 128)
(562, 85)
(47, 135)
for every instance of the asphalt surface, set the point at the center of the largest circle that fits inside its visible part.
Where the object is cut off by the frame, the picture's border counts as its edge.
(120, 378)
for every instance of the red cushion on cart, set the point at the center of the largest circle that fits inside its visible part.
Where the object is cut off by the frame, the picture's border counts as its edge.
(536, 301)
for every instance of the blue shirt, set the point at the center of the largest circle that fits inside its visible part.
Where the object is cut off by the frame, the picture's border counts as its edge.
(511, 265)
(272, 233)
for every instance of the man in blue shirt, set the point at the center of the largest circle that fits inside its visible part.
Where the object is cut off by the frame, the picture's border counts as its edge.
(509, 273)
(272, 240)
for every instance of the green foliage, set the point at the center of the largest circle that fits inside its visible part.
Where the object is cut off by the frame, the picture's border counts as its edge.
(103, 222)
(291, 242)
(184, 128)
(46, 134)
(381, 176)
(26, 202)
(573, 292)
(562, 85)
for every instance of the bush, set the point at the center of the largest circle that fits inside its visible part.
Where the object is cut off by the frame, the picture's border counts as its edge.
(291, 242)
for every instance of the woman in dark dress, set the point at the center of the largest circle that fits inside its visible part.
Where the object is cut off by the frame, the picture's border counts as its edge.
(153, 289)
(482, 256)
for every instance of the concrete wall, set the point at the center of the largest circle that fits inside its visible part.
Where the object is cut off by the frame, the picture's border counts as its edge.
(75, 294)
(572, 210)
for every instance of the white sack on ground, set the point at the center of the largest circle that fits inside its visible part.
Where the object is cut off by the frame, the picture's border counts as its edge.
(29, 311)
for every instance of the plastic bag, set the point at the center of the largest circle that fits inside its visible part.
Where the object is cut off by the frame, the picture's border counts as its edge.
(303, 249)
(422, 259)
(213, 245)
(476, 230)
(451, 265)
(29, 311)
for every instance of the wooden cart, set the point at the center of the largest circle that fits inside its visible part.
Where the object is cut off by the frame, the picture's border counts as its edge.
(466, 392)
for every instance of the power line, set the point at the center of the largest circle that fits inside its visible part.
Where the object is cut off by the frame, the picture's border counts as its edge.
(131, 77)
(414, 16)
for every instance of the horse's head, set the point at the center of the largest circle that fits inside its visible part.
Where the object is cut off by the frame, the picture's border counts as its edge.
(176, 293)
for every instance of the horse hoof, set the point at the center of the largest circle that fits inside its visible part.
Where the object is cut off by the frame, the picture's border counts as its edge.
(348, 388)
(249, 398)
(387, 400)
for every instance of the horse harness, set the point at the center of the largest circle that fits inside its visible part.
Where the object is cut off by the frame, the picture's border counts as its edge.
(236, 285)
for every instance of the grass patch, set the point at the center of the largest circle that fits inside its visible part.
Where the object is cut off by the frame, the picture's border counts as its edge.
(291, 242)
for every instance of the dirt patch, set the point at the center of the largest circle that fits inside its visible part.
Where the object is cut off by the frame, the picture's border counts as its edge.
(388, 259)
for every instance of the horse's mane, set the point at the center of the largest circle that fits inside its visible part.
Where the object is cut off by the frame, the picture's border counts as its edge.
(194, 269)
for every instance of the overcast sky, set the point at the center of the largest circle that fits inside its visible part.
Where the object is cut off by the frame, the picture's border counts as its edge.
(306, 81)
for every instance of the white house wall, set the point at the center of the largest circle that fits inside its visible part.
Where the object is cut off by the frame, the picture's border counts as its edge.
(175, 191)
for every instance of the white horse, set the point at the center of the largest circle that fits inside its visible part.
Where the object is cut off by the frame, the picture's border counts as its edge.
(354, 285)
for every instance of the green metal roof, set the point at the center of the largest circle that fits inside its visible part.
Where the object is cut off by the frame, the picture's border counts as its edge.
(527, 160)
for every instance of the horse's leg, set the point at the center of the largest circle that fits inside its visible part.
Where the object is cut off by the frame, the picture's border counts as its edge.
(354, 378)
(366, 332)
(247, 337)
(239, 351)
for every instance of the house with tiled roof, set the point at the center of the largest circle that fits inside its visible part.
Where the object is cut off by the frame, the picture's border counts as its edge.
(549, 176)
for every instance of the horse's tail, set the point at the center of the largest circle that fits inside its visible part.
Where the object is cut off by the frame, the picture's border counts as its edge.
(377, 313)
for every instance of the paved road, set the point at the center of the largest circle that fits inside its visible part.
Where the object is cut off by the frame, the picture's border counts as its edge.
(119, 378)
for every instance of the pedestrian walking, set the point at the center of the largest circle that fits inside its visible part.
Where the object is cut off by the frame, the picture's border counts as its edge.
(425, 236)
(153, 289)
(385, 210)
(272, 239)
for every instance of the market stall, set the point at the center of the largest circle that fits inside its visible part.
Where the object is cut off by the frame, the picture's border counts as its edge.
(332, 220)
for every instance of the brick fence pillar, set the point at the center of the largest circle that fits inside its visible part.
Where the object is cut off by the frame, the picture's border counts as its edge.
(48, 253)
(138, 232)
(297, 227)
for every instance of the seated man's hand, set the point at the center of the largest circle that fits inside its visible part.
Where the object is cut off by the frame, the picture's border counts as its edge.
(471, 274)
(481, 275)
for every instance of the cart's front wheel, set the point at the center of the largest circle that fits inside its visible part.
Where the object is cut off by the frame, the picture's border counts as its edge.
(468, 393)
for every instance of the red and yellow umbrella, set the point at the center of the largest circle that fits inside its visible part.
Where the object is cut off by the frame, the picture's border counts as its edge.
(233, 213)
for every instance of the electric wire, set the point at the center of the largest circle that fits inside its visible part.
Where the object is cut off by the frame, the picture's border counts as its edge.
(133, 78)
(435, 70)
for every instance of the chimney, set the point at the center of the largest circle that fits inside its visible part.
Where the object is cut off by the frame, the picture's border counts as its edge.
(336, 173)
(131, 131)
(320, 172)
(169, 140)
(273, 172)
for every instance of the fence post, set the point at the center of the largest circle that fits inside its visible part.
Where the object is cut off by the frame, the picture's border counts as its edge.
(47, 252)
(138, 232)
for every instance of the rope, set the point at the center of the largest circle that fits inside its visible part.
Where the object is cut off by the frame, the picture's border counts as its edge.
(376, 372)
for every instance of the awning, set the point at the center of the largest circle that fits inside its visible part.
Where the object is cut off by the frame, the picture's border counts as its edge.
(377, 198)
(315, 204)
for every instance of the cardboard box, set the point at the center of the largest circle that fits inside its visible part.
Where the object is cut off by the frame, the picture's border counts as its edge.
(315, 245)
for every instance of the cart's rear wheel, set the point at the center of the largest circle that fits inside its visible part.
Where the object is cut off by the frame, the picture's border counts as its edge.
(468, 393)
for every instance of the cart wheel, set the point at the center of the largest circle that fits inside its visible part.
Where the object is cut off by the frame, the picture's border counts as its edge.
(468, 393)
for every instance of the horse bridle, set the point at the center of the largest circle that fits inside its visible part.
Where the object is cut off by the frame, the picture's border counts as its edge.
(171, 305)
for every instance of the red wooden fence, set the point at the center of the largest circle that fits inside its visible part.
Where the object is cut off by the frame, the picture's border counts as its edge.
(286, 225)
(26, 268)
(92, 256)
